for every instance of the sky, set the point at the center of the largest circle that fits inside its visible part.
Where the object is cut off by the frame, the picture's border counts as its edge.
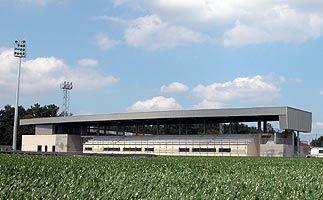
(141, 55)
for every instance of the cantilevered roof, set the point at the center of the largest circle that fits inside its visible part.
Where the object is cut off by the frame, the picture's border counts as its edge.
(289, 118)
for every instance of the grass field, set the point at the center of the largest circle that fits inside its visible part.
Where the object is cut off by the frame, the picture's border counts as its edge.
(48, 177)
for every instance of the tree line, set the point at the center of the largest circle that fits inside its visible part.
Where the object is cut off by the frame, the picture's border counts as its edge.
(7, 119)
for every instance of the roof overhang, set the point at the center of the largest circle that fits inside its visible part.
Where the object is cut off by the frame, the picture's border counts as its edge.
(289, 118)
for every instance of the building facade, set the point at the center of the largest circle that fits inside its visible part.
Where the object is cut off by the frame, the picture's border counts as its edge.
(210, 132)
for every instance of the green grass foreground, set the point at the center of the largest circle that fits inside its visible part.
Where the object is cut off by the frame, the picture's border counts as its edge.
(49, 177)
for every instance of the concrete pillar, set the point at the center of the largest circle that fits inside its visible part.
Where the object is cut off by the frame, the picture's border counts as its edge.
(298, 144)
(230, 128)
(186, 128)
(221, 128)
(265, 127)
(275, 138)
(236, 127)
(293, 143)
(259, 126)
(204, 127)
(179, 128)
(157, 129)
(136, 129)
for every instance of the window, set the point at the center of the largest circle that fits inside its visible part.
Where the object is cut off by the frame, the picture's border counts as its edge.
(184, 150)
(111, 149)
(225, 150)
(53, 148)
(88, 148)
(46, 148)
(149, 149)
(204, 149)
(132, 149)
(39, 148)
(321, 151)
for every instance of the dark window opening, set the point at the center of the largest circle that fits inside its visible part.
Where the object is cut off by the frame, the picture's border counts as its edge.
(111, 149)
(39, 148)
(53, 148)
(184, 150)
(46, 148)
(225, 150)
(149, 149)
(88, 148)
(320, 151)
(204, 149)
(131, 149)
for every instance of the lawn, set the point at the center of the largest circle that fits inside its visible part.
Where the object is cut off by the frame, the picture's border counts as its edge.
(50, 177)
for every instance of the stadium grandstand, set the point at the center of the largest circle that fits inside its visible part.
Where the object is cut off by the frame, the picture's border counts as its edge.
(206, 132)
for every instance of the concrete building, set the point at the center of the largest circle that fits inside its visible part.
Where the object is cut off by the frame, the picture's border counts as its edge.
(208, 132)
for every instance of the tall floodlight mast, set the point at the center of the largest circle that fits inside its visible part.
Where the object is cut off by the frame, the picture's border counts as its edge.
(66, 87)
(19, 52)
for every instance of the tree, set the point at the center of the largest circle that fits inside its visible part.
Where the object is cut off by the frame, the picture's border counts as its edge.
(7, 117)
(317, 142)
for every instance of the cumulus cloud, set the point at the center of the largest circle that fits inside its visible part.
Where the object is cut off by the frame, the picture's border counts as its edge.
(155, 104)
(87, 62)
(152, 33)
(174, 87)
(239, 22)
(44, 74)
(254, 88)
(105, 42)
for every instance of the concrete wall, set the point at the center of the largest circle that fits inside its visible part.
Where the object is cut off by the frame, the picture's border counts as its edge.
(62, 143)
(271, 149)
(30, 142)
(239, 145)
(44, 129)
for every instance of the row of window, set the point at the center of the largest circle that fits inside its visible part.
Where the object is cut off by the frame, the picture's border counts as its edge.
(40, 148)
(204, 150)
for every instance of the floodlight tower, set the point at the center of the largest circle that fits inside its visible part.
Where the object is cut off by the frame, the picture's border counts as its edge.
(66, 87)
(19, 52)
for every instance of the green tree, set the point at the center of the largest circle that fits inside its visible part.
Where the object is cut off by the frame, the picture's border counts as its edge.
(317, 142)
(7, 117)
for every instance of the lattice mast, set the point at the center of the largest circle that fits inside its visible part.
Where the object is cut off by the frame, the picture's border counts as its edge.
(66, 87)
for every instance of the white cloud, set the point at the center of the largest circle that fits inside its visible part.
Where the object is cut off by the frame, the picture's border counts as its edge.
(240, 22)
(152, 33)
(242, 88)
(154, 104)
(318, 125)
(321, 92)
(105, 42)
(87, 62)
(174, 87)
(43, 75)
(207, 104)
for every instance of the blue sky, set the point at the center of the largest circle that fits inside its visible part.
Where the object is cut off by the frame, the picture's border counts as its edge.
(139, 55)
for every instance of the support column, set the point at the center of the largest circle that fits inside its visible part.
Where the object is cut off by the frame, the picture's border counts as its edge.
(259, 126)
(265, 127)
(136, 129)
(298, 144)
(230, 128)
(186, 128)
(293, 142)
(157, 129)
(220, 128)
(179, 128)
(275, 138)
(236, 127)
(204, 128)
